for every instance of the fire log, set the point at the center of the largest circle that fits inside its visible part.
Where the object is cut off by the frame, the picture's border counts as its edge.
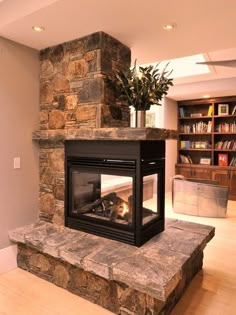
(110, 206)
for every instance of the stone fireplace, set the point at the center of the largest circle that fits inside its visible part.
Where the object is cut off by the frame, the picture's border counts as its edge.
(74, 96)
(75, 108)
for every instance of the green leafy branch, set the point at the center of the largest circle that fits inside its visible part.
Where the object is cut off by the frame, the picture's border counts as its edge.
(140, 87)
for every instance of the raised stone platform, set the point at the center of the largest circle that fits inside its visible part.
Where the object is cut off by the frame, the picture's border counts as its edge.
(124, 279)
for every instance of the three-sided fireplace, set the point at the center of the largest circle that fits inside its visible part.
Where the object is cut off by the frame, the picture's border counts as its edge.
(115, 188)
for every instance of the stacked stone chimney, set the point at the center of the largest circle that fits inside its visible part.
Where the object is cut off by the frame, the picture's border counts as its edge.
(73, 95)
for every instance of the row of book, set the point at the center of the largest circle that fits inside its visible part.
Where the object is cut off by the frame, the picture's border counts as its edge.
(184, 144)
(226, 127)
(226, 145)
(183, 113)
(222, 160)
(200, 127)
(223, 109)
(185, 159)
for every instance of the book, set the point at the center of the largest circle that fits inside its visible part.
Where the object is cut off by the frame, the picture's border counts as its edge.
(210, 110)
(219, 145)
(224, 147)
(209, 126)
(232, 161)
(223, 159)
(234, 110)
(190, 160)
(185, 159)
(181, 112)
(196, 115)
(185, 144)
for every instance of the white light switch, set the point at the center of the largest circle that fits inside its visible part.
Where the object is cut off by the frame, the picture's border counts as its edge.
(16, 162)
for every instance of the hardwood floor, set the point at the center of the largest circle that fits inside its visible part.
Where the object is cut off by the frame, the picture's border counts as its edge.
(22, 293)
(212, 291)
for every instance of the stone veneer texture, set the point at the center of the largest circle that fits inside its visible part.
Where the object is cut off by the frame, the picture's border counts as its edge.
(122, 278)
(73, 94)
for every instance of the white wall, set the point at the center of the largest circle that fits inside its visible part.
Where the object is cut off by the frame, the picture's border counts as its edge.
(170, 122)
(165, 117)
(157, 113)
(19, 103)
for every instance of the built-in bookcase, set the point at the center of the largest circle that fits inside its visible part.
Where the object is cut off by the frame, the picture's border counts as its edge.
(207, 137)
(207, 129)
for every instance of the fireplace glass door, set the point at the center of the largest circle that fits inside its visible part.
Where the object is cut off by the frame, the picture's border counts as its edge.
(100, 196)
(150, 201)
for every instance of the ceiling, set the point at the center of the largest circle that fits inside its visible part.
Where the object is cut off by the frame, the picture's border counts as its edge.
(203, 26)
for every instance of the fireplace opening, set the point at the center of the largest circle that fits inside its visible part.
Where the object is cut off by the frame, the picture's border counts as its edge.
(119, 195)
(107, 197)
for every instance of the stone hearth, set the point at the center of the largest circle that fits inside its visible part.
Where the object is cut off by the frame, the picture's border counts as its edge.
(122, 278)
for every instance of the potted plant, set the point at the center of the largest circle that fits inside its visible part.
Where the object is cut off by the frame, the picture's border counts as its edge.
(140, 87)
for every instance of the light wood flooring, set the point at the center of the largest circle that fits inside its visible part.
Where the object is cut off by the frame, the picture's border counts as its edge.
(212, 291)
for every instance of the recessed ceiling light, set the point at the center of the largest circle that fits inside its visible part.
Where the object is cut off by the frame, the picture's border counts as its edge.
(38, 28)
(169, 26)
(206, 95)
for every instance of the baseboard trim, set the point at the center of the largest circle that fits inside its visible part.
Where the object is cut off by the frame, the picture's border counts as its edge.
(8, 259)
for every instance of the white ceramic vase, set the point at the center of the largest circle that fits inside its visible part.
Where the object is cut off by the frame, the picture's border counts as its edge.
(140, 118)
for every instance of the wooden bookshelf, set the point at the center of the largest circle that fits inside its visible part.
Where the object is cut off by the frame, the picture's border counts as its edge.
(207, 139)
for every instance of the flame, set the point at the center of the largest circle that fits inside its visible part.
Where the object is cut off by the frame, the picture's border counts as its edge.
(125, 208)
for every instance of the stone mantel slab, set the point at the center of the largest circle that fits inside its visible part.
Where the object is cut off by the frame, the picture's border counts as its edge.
(104, 134)
(155, 269)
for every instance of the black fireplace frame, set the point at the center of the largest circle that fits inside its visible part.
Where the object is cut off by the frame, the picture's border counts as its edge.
(134, 158)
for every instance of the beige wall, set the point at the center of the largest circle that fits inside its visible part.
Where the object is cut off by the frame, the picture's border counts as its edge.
(166, 117)
(19, 93)
(170, 122)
